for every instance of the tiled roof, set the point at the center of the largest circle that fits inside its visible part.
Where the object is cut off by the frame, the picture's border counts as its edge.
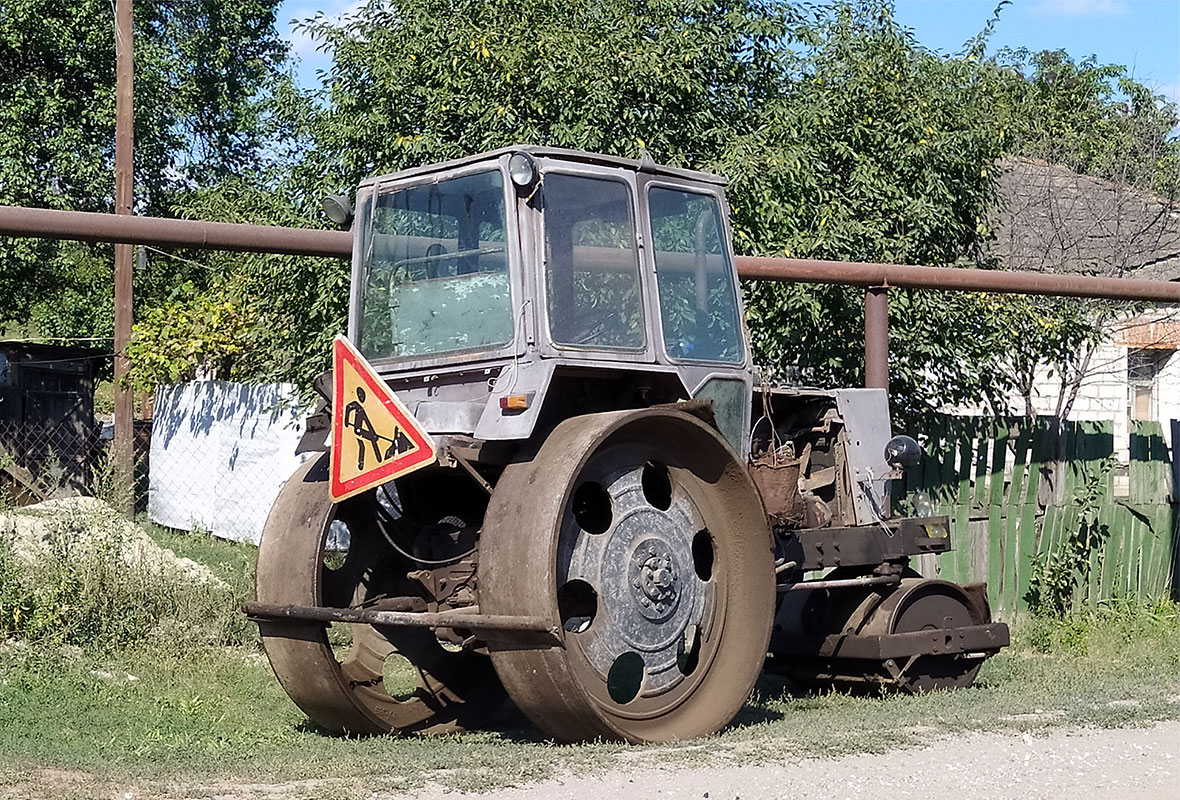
(1055, 220)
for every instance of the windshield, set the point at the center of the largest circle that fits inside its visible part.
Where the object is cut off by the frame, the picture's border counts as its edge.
(436, 270)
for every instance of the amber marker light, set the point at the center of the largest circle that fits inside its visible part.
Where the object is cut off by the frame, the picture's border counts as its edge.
(515, 402)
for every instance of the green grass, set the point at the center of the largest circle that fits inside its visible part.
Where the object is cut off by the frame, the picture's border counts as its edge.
(87, 721)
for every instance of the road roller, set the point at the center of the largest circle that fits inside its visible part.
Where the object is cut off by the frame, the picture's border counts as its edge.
(545, 469)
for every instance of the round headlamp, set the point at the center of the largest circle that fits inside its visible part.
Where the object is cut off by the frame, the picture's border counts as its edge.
(338, 209)
(523, 170)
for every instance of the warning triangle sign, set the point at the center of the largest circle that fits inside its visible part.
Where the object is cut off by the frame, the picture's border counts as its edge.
(374, 437)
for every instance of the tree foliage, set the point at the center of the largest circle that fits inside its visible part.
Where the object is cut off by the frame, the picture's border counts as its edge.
(843, 139)
(1093, 118)
(416, 81)
(201, 70)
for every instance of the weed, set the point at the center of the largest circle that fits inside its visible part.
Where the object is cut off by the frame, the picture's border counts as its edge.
(1055, 576)
(90, 585)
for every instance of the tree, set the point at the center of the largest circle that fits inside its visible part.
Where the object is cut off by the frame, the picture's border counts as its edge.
(201, 66)
(843, 138)
(1092, 189)
(416, 81)
(881, 151)
(253, 316)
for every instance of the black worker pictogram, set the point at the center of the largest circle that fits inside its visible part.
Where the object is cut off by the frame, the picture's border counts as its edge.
(356, 418)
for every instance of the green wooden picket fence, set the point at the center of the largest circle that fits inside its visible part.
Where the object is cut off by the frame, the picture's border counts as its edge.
(995, 479)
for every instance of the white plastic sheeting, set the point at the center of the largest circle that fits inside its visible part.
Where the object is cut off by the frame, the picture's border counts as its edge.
(220, 452)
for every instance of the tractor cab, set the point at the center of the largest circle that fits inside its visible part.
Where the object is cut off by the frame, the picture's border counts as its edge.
(497, 275)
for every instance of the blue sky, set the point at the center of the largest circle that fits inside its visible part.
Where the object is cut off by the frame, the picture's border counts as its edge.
(1143, 35)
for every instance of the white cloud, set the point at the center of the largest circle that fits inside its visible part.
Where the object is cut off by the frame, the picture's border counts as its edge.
(1080, 8)
(302, 45)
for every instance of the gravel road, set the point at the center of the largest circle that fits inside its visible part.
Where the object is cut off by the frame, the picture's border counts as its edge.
(1095, 764)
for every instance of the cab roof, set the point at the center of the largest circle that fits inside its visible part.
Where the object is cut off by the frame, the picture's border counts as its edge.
(557, 153)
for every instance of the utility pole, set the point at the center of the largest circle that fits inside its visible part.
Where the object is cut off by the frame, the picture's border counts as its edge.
(124, 444)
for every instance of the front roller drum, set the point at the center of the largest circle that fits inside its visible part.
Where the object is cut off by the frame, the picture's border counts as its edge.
(452, 688)
(641, 536)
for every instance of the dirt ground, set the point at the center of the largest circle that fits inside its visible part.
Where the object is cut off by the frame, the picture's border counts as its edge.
(1063, 764)
(1127, 764)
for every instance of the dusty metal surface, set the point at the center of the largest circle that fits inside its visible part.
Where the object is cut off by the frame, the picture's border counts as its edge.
(671, 636)
(410, 619)
(456, 688)
(867, 546)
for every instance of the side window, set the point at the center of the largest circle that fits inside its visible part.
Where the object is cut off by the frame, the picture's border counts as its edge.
(592, 264)
(698, 299)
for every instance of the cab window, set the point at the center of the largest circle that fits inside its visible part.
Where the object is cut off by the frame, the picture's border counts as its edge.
(436, 270)
(698, 296)
(591, 263)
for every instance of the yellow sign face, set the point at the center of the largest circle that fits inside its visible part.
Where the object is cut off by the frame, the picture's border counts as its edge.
(374, 437)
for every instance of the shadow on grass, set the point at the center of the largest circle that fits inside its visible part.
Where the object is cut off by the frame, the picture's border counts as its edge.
(508, 724)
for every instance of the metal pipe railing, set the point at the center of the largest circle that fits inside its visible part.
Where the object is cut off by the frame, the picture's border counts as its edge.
(83, 226)
(904, 276)
(877, 279)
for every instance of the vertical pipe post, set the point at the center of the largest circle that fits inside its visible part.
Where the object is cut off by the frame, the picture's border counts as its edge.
(124, 446)
(877, 337)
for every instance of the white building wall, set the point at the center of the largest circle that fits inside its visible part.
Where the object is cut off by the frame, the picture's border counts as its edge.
(1168, 396)
(1103, 394)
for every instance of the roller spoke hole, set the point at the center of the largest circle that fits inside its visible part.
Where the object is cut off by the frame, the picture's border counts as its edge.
(625, 678)
(592, 508)
(399, 677)
(577, 603)
(657, 485)
(702, 555)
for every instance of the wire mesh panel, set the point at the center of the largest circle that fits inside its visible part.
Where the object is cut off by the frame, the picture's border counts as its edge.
(220, 452)
(39, 460)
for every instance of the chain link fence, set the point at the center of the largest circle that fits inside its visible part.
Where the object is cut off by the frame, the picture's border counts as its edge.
(42, 460)
(212, 458)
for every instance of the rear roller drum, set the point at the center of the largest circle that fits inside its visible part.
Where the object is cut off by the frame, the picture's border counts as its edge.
(318, 553)
(928, 605)
(914, 604)
(641, 536)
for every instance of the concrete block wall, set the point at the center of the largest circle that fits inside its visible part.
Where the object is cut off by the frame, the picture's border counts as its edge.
(1103, 395)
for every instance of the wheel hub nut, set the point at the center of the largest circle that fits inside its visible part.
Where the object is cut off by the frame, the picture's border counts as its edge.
(654, 579)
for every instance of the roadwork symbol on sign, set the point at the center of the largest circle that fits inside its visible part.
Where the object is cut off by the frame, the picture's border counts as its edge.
(374, 437)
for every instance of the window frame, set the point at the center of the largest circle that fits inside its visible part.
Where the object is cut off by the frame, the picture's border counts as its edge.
(743, 363)
(367, 199)
(549, 346)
